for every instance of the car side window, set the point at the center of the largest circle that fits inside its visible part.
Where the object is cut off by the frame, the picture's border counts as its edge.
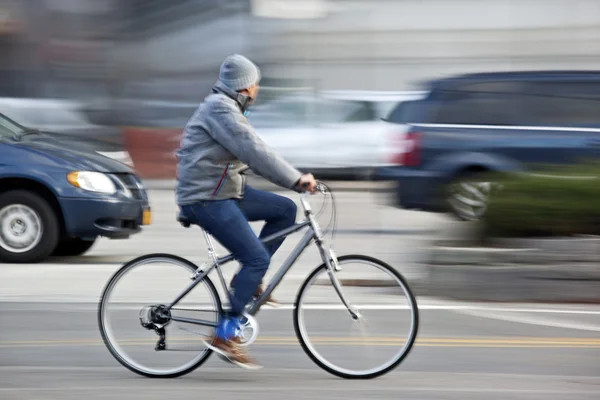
(562, 103)
(334, 111)
(407, 112)
(476, 108)
(364, 112)
(290, 112)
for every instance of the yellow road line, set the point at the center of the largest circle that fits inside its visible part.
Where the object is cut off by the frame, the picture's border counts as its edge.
(523, 342)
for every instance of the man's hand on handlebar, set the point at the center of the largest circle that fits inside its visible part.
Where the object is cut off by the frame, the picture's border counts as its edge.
(307, 183)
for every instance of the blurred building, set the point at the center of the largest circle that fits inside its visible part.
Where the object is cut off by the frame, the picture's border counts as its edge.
(57, 48)
(389, 44)
(171, 49)
(146, 64)
(357, 44)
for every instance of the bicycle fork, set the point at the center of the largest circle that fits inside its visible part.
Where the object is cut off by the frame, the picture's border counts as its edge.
(331, 262)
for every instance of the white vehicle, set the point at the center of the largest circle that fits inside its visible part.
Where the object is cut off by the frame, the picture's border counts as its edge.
(332, 132)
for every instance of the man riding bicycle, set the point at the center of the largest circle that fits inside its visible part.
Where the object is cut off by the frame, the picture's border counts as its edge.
(218, 145)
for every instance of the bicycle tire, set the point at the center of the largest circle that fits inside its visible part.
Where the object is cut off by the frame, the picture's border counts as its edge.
(112, 281)
(414, 313)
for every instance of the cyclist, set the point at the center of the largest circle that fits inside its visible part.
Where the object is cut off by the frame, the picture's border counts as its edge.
(218, 145)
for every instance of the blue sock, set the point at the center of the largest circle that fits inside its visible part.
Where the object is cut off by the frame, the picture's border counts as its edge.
(228, 328)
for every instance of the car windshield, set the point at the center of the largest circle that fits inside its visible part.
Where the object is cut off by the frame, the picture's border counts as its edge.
(9, 128)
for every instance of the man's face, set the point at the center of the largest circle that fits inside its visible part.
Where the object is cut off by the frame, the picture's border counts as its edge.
(253, 92)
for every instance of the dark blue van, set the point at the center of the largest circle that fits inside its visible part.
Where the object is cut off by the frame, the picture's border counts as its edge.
(469, 125)
(58, 196)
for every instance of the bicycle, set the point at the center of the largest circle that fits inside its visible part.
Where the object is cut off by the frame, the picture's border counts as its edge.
(155, 316)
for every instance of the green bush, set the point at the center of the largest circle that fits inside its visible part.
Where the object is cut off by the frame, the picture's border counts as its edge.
(555, 201)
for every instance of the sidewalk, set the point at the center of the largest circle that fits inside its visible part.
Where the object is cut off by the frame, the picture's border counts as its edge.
(84, 283)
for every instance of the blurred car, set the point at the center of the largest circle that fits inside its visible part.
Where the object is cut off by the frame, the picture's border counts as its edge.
(58, 197)
(65, 119)
(334, 134)
(473, 124)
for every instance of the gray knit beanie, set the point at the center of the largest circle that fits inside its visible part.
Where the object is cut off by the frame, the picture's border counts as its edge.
(237, 72)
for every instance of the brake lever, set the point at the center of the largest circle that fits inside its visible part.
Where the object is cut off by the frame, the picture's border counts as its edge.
(320, 187)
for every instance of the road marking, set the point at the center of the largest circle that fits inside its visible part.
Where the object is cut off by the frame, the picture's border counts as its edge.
(449, 307)
(78, 305)
(534, 320)
(523, 342)
(383, 307)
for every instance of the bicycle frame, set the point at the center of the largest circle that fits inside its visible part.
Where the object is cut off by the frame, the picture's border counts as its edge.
(313, 234)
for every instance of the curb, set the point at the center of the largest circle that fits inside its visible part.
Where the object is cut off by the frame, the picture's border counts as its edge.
(517, 256)
(519, 251)
(475, 255)
(573, 283)
(537, 270)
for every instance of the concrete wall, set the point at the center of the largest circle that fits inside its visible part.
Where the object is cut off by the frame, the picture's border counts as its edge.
(389, 44)
(383, 44)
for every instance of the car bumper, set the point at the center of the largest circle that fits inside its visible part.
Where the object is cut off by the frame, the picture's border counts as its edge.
(116, 219)
(416, 189)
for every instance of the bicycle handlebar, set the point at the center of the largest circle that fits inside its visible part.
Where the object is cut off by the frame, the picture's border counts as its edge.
(320, 188)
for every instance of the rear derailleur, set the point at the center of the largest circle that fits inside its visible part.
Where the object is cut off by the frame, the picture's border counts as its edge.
(155, 318)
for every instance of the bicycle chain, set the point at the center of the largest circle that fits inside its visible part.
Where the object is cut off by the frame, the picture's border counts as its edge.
(192, 309)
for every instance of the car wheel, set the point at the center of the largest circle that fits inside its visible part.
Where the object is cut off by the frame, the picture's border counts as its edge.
(468, 196)
(29, 228)
(73, 247)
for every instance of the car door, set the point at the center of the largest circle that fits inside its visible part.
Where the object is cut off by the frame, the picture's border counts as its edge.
(286, 125)
(567, 110)
(346, 133)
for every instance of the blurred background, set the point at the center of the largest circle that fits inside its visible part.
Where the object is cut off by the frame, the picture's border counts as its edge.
(461, 138)
(132, 72)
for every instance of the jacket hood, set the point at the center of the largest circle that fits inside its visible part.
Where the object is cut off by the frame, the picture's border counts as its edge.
(242, 100)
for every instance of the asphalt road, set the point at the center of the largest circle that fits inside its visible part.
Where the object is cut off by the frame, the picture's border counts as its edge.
(54, 351)
(50, 347)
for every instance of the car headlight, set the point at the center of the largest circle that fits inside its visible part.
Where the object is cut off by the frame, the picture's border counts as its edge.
(92, 181)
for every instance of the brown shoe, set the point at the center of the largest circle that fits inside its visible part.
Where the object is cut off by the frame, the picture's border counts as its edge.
(237, 340)
(270, 300)
(232, 352)
(259, 291)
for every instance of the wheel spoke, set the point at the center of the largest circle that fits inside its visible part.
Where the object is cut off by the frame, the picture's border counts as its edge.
(374, 343)
(134, 305)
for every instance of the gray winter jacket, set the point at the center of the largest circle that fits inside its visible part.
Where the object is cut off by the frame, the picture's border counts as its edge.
(218, 145)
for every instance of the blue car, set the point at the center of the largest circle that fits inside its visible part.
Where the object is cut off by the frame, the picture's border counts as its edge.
(57, 196)
(469, 125)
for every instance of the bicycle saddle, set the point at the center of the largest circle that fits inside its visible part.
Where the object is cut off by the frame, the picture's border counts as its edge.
(183, 220)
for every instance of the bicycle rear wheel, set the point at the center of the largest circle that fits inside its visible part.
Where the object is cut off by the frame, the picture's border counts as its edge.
(133, 320)
(382, 336)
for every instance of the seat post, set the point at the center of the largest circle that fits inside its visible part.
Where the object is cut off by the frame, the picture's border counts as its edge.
(211, 248)
(213, 255)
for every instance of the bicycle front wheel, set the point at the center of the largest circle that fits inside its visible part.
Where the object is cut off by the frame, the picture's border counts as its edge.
(349, 347)
(138, 328)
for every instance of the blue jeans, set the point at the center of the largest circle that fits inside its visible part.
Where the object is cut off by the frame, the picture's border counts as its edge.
(227, 222)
